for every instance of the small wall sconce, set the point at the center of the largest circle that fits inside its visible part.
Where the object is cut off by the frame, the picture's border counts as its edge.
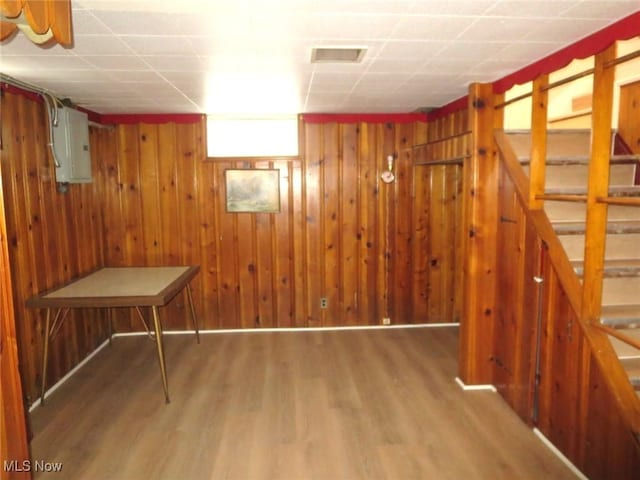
(388, 176)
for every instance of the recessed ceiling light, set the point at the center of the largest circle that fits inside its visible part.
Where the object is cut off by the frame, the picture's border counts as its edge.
(337, 54)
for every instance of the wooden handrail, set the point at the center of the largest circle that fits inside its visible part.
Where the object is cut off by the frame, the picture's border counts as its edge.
(445, 161)
(626, 201)
(596, 337)
(619, 334)
(441, 140)
(562, 197)
(557, 254)
(625, 58)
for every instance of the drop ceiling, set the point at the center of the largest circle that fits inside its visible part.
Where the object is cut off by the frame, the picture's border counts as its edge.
(253, 57)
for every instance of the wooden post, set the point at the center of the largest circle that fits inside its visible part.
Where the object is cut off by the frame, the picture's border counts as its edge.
(538, 141)
(480, 197)
(596, 223)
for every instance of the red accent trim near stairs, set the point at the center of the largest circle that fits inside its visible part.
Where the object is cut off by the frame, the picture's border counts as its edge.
(364, 117)
(624, 29)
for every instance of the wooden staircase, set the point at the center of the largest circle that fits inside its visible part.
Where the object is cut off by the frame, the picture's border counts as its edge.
(568, 153)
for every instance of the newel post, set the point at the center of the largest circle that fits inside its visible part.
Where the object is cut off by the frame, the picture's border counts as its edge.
(480, 204)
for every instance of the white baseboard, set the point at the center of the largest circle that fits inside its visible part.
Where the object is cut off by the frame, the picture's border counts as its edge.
(471, 388)
(559, 454)
(294, 330)
(71, 372)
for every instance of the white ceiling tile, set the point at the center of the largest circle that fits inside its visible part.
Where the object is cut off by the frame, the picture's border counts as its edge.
(411, 49)
(431, 28)
(84, 22)
(172, 63)
(115, 62)
(349, 26)
(565, 30)
(451, 7)
(445, 67)
(137, 76)
(599, 9)
(529, 51)
(406, 66)
(99, 45)
(253, 56)
(35, 64)
(498, 29)
(158, 45)
(530, 8)
(471, 50)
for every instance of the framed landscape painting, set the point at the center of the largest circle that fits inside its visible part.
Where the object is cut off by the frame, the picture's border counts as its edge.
(253, 190)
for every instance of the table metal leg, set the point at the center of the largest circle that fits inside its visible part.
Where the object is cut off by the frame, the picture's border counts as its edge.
(110, 324)
(45, 356)
(158, 331)
(193, 312)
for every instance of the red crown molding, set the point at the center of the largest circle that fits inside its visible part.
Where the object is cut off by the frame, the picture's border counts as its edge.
(451, 107)
(152, 118)
(623, 29)
(364, 117)
(7, 87)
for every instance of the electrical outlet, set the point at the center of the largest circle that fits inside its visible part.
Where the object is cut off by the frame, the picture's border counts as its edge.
(386, 321)
(324, 302)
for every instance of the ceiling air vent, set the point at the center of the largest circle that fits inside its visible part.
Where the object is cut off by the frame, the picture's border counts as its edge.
(337, 54)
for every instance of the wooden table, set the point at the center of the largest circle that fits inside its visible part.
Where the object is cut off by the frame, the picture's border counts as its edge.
(117, 287)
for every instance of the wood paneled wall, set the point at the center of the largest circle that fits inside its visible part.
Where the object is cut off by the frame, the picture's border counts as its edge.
(13, 432)
(577, 410)
(53, 237)
(438, 217)
(341, 234)
(373, 250)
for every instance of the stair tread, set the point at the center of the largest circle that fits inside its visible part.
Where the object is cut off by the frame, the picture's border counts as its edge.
(623, 350)
(620, 316)
(619, 267)
(579, 228)
(614, 191)
(632, 367)
(566, 160)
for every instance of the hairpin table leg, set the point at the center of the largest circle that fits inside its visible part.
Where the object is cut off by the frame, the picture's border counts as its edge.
(158, 331)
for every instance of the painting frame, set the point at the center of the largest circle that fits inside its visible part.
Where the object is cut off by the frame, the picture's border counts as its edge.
(252, 190)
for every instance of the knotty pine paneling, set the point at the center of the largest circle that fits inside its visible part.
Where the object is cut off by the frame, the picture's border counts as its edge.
(436, 286)
(13, 435)
(53, 237)
(577, 411)
(342, 234)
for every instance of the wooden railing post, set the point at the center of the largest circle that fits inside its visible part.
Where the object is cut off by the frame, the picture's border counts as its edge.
(596, 222)
(538, 141)
(480, 199)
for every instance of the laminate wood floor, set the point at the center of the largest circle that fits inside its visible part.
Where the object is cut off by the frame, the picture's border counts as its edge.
(363, 404)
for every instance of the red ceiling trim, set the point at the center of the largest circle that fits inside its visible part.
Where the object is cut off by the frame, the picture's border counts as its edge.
(152, 118)
(624, 29)
(7, 87)
(456, 105)
(364, 117)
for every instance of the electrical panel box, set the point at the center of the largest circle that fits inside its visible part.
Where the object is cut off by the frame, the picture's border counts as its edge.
(71, 144)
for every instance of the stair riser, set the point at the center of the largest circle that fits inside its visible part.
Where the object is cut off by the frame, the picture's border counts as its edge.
(565, 144)
(578, 175)
(576, 212)
(617, 247)
(621, 291)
